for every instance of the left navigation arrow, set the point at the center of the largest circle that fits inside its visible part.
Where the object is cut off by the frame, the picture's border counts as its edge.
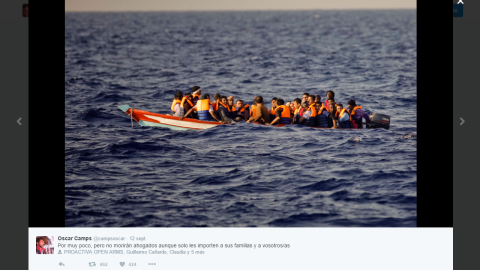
(18, 121)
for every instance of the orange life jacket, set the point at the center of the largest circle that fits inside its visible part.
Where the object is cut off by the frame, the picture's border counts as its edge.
(203, 109)
(340, 114)
(285, 113)
(228, 108)
(355, 109)
(183, 101)
(174, 102)
(314, 111)
(352, 113)
(253, 111)
(321, 109)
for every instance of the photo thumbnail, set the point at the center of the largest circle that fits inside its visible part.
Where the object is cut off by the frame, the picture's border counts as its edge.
(44, 245)
(285, 118)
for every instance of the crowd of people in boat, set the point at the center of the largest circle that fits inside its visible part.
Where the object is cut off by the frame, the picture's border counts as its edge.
(309, 110)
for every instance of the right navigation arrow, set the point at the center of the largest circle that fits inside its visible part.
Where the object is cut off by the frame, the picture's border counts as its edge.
(463, 121)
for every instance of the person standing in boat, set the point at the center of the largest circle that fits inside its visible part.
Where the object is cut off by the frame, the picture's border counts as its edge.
(224, 111)
(243, 111)
(282, 114)
(176, 103)
(262, 115)
(343, 117)
(204, 110)
(357, 114)
(272, 110)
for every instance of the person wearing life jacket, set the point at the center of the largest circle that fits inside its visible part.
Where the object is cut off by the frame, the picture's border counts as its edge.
(204, 110)
(243, 111)
(330, 99)
(186, 105)
(216, 100)
(253, 110)
(313, 112)
(356, 114)
(224, 111)
(196, 92)
(231, 105)
(282, 114)
(343, 117)
(175, 107)
(291, 105)
(332, 117)
(272, 109)
(261, 114)
(296, 113)
(322, 118)
(305, 118)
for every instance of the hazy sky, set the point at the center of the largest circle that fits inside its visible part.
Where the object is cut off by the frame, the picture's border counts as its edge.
(179, 5)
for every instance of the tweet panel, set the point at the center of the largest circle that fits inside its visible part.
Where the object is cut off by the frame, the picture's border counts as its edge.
(241, 248)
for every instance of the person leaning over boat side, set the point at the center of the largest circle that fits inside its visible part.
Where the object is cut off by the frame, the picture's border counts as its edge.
(282, 114)
(357, 114)
(243, 112)
(272, 110)
(330, 98)
(196, 92)
(204, 110)
(224, 112)
(322, 117)
(176, 104)
(262, 115)
(343, 117)
(296, 113)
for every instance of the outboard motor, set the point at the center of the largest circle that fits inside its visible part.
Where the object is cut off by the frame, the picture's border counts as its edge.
(379, 121)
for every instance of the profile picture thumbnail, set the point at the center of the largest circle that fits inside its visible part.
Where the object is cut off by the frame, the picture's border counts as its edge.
(25, 10)
(44, 245)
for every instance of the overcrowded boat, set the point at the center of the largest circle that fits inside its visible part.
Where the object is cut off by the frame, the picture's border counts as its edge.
(197, 111)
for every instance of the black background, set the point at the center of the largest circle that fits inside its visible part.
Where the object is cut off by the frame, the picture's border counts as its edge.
(47, 116)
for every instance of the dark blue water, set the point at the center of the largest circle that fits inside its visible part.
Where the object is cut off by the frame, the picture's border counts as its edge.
(242, 174)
